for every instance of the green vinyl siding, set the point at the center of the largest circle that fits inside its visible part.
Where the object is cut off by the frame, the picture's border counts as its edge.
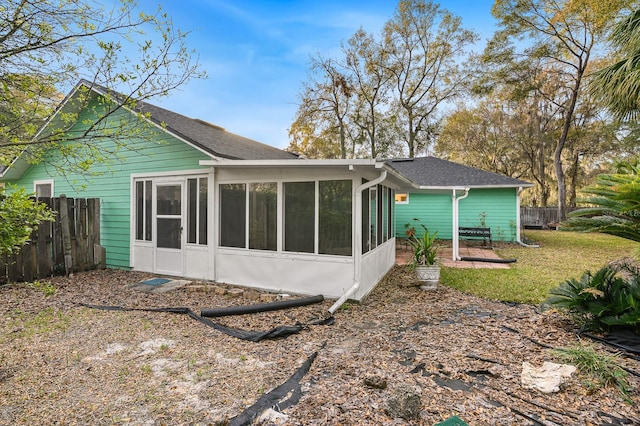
(496, 207)
(111, 180)
(431, 210)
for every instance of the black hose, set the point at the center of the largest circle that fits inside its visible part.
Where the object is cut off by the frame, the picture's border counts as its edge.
(260, 307)
(488, 259)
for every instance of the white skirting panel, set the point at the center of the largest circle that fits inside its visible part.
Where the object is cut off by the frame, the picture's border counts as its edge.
(196, 262)
(330, 276)
(142, 258)
(375, 264)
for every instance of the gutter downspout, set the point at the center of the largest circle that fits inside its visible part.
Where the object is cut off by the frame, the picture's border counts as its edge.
(456, 237)
(518, 224)
(357, 247)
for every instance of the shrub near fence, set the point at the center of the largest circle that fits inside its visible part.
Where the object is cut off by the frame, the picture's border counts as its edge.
(70, 243)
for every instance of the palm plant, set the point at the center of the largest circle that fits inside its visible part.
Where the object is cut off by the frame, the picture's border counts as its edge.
(425, 251)
(614, 205)
(606, 299)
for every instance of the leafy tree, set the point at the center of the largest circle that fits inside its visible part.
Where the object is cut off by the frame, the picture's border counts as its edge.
(46, 45)
(19, 216)
(323, 110)
(562, 36)
(365, 61)
(614, 205)
(425, 46)
(388, 89)
(618, 85)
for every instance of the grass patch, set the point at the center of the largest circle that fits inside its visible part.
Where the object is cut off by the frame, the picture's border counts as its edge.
(22, 325)
(562, 255)
(597, 371)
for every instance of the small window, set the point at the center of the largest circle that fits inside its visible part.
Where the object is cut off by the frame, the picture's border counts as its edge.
(197, 211)
(402, 198)
(43, 188)
(143, 210)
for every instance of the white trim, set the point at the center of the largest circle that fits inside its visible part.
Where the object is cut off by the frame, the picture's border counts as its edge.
(294, 162)
(43, 182)
(401, 202)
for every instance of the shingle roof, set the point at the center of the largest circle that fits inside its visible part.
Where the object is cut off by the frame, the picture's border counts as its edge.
(214, 139)
(434, 173)
(209, 137)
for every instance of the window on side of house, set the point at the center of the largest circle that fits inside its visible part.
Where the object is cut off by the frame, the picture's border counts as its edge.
(299, 216)
(402, 198)
(143, 210)
(373, 217)
(43, 188)
(197, 210)
(366, 235)
(233, 207)
(263, 212)
(334, 217)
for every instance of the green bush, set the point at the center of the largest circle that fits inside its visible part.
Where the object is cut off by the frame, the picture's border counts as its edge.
(19, 216)
(604, 300)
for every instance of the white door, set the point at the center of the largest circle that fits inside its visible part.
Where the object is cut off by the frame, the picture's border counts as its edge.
(169, 223)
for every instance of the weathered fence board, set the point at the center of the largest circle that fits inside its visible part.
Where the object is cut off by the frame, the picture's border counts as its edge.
(539, 217)
(44, 255)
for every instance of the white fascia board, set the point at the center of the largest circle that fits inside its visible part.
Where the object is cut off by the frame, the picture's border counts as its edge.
(293, 163)
(462, 188)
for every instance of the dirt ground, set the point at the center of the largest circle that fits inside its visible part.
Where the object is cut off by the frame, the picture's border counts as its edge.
(64, 363)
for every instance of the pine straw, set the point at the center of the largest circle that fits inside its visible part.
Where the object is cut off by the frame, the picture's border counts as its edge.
(67, 364)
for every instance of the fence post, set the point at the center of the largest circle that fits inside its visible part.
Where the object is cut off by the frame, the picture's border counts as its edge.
(66, 234)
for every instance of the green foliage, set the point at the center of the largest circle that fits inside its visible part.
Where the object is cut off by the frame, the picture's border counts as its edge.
(608, 298)
(614, 205)
(618, 85)
(19, 216)
(46, 287)
(598, 371)
(425, 250)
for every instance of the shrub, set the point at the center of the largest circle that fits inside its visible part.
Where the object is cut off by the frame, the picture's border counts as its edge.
(609, 298)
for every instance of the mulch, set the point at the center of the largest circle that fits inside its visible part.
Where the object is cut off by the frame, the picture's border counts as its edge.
(65, 363)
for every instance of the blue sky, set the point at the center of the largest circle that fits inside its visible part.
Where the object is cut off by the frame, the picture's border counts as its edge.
(256, 54)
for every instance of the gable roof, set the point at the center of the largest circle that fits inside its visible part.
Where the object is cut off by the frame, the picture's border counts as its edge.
(435, 173)
(209, 138)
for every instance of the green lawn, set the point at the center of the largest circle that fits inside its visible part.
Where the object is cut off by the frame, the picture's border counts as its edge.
(561, 255)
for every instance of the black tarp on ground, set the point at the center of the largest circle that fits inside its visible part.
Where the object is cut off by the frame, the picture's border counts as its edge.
(253, 336)
(276, 397)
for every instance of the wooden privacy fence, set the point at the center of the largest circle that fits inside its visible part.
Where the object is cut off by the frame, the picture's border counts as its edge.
(540, 217)
(70, 243)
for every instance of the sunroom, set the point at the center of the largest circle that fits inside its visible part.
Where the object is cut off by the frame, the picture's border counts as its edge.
(287, 226)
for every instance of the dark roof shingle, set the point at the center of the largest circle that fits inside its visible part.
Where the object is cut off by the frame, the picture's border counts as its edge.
(435, 172)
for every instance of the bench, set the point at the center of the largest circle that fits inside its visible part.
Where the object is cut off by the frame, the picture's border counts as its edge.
(476, 232)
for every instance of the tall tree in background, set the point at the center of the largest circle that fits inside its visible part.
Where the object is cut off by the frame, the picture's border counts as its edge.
(399, 80)
(426, 46)
(365, 61)
(562, 35)
(46, 46)
(323, 111)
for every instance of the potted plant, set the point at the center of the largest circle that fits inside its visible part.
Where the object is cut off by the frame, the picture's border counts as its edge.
(425, 259)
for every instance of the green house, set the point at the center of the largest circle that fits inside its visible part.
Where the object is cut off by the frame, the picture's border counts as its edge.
(446, 196)
(183, 197)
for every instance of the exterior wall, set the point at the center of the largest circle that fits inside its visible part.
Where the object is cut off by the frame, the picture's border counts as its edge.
(495, 207)
(111, 181)
(432, 210)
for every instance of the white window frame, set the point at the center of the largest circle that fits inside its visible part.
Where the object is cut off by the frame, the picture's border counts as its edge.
(401, 202)
(43, 182)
